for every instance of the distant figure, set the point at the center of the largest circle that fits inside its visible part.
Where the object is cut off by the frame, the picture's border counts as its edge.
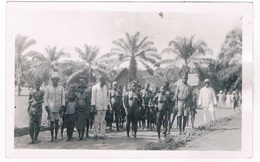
(207, 100)
(99, 102)
(229, 100)
(183, 99)
(221, 99)
(235, 101)
(36, 98)
(132, 102)
(54, 101)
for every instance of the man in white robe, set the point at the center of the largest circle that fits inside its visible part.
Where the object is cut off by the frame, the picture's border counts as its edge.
(207, 100)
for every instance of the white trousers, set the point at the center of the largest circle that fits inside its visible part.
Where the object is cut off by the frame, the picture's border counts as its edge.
(212, 112)
(99, 118)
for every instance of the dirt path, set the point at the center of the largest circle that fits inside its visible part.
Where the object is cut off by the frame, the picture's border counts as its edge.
(117, 140)
(227, 138)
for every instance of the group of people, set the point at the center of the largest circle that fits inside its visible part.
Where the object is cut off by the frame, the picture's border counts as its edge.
(229, 100)
(82, 106)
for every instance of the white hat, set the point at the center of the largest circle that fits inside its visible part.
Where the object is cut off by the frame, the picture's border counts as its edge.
(206, 81)
(55, 74)
(220, 91)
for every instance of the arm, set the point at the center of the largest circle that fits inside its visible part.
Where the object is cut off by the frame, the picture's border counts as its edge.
(46, 103)
(93, 96)
(176, 97)
(214, 97)
(200, 98)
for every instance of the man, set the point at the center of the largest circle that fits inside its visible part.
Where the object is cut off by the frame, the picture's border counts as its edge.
(132, 102)
(146, 97)
(115, 102)
(54, 101)
(168, 106)
(221, 98)
(183, 98)
(36, 98)
(207, 100)
(99, 102)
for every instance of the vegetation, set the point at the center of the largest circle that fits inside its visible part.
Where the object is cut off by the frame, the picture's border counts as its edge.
(140, 53)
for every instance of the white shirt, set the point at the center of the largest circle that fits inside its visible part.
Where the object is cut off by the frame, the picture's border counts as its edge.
(99, 97)
(207, 96)
(54, 98)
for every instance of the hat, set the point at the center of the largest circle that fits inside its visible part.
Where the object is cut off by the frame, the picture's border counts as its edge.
(102, 77)
(206, 81)
(220, 91)
(55, 74)
(234, 92)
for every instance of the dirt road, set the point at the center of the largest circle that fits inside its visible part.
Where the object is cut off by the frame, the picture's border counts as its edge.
(118, 141)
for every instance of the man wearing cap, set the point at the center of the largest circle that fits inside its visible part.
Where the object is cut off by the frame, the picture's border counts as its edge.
(35, 101)
(207, 100)
(54, 102)
(99, 102)
(183, 99)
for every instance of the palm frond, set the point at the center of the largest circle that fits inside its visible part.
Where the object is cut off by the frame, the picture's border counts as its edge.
(148, 68)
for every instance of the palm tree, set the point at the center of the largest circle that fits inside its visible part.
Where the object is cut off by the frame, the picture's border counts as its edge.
(186, 51)
(134, 51)
(230, 59)
(43, 64)
(92, 66)
(21, 44)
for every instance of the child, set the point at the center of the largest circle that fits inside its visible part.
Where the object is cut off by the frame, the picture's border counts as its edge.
(70, 116)
(36, 98)
(109, 117)
(193, 109)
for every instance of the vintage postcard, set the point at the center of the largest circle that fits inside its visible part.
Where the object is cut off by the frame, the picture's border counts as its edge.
(146, 79)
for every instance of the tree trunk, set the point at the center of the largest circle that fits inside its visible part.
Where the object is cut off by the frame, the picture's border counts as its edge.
(132, 69)
(19, 80)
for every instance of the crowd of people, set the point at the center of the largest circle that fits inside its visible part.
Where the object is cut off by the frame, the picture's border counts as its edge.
(84, 106)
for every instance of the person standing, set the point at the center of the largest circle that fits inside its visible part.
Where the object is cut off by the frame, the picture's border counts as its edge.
(228, 100)
(99, 103)
(115, 102)
(54, 101)
(183, 99)
(207, 100)
(221, 98)
(36, 98)
(146, 97)
(132, 102)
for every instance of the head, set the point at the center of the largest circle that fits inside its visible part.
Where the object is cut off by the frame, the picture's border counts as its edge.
(114, 85)
(162, 89)
(55, 78)
(206, 82)
(102, 80)
(37, 85)
(220, 92)
(194, 95)
(184, 78)
(166, 84)
(133, 86)
(147, 85)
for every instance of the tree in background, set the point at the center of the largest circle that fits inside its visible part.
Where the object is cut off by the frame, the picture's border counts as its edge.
(230, 60)
(134, 51)
(22, 43)
(44, 64)
(186, 51)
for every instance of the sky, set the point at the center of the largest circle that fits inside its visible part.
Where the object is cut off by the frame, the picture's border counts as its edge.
(70, 25)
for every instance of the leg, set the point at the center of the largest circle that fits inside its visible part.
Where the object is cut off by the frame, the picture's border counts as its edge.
(79, 132)
(87, 125)
(134, 122)
(52, 130)
(103, 123)
(37, 128)
(205, 115)
(179, 119)
(62, 127)
(128, 125)
(158, 124)
(31, 131)
(96, 123)
(56, 128)
(184, 123)
(116, 117)
(192, 119)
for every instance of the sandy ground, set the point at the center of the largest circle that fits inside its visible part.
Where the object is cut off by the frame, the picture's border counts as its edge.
(227, 138)
(229, 134)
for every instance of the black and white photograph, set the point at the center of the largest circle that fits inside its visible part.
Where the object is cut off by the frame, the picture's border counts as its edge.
(147, 77)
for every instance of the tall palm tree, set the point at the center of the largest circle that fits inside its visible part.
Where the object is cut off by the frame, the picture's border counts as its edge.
(44, 64)
(230, 59)
(186, 51)
(22, 43)
(134, 51)
(92, 66)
